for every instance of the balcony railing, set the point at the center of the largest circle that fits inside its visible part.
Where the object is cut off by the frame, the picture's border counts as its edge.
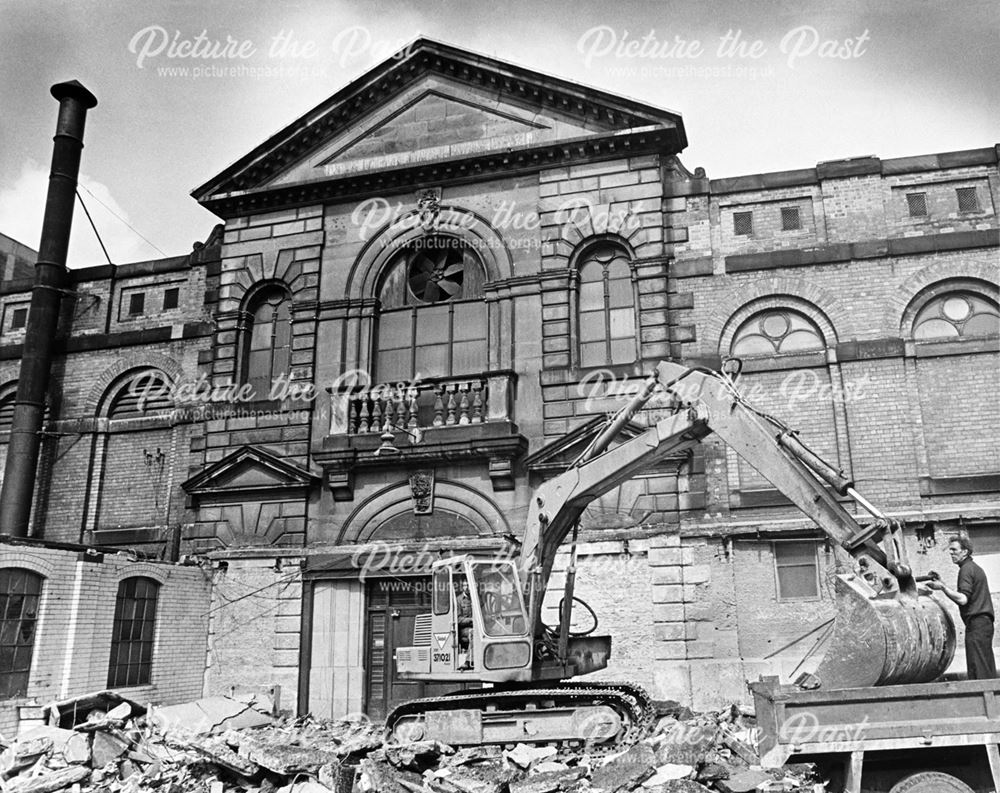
(444, 402)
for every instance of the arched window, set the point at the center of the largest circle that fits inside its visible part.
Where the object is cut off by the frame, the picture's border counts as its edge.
(144, 393)
(133, 632)
(956, 315)
(606, 310)
(267, 346)
(20, 591)
(776, 332)
(432, 318)
(7, 409)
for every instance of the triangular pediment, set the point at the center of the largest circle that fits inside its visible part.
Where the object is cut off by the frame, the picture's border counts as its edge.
(436, 119)
(561, 453)
(246, 471)
(434, 103)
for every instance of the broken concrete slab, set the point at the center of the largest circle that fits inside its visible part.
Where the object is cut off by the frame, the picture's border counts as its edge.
(49, 781)
(276, 755)
(106, 748)
(626, 770)
(668, 773)
(210, 715)
(553, 781)
(524, 756)
(218, 751)
(743, 781)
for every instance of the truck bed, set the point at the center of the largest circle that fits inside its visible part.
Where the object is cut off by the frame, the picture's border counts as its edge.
(793, 723)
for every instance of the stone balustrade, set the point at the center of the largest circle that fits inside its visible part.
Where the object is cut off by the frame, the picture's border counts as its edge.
(444, 402)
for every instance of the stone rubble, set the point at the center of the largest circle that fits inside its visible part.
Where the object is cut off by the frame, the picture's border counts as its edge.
(227, 745)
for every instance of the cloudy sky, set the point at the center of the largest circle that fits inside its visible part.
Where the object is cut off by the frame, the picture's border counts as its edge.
(765, 85)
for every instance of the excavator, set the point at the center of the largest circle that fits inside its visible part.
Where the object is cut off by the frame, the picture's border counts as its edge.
(486, 626)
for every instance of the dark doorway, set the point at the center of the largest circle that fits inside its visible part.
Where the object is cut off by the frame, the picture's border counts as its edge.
(391, 611)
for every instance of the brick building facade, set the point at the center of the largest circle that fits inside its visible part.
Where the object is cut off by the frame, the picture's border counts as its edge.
(453, 269)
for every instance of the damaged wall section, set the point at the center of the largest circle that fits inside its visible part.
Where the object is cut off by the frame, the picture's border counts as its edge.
(71, 626)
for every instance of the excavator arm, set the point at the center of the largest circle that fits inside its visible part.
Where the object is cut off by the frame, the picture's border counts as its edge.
(888, 633)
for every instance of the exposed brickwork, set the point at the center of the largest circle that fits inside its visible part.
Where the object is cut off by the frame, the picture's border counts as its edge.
(74, 628)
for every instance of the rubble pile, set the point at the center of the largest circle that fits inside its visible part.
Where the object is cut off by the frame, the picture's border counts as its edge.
(227, 745)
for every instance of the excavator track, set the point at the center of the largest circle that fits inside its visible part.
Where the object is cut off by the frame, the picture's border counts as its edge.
(528, 706)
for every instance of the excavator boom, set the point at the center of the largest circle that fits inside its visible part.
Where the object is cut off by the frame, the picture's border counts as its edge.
(886, 633)
(486, 622)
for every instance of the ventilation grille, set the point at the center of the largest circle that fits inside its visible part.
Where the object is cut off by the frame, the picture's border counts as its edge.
(790, 220)
(968, 199)
(917, 204)
(422, 630)
(743, 224)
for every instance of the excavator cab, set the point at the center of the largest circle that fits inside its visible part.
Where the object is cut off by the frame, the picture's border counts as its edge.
(478, 627)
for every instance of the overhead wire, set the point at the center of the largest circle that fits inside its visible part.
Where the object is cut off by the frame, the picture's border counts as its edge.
(130, 226)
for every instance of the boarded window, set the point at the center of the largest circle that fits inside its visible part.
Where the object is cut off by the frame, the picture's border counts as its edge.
(170, 297)
(797, 570)
(20, 591)
(142, 394)
(133, 632)
(790, 220)
(968, 199)
(743, 224)
(917, 204)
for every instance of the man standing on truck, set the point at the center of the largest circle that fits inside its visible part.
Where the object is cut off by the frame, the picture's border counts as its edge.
(975, 606)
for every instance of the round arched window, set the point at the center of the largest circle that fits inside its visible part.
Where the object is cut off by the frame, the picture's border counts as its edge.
(956, 315)
(432, 269)
(774, 332)
(432, 319)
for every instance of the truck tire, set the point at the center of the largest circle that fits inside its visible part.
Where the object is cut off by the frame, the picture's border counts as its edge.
(930, 782)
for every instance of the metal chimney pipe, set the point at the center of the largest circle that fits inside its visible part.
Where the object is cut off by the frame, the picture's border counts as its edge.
(43, 314)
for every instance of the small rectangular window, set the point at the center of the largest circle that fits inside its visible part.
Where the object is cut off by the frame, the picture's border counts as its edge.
(18, 318)
(797, 570)
(917, 204)
(136, 303)
(790, 220)
(968, 199)
(743, 224)
(170, 298)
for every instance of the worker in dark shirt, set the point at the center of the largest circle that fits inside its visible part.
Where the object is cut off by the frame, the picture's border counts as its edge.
(975, 606)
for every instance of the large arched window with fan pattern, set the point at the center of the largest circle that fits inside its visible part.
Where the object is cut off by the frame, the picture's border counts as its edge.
(432, 318)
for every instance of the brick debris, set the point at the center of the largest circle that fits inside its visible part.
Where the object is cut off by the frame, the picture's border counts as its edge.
(235, 745)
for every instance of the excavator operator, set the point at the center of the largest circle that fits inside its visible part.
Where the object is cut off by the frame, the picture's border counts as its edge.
(463, 604)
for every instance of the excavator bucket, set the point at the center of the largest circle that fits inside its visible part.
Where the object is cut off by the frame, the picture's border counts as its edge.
(885, 639)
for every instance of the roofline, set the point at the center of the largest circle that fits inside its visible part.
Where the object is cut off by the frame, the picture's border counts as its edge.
(423, 44)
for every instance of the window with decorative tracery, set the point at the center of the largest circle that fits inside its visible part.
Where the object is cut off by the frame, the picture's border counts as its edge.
(775, 332)
(606, 310)
(957, 315)
(267, 346)
(432, 319)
